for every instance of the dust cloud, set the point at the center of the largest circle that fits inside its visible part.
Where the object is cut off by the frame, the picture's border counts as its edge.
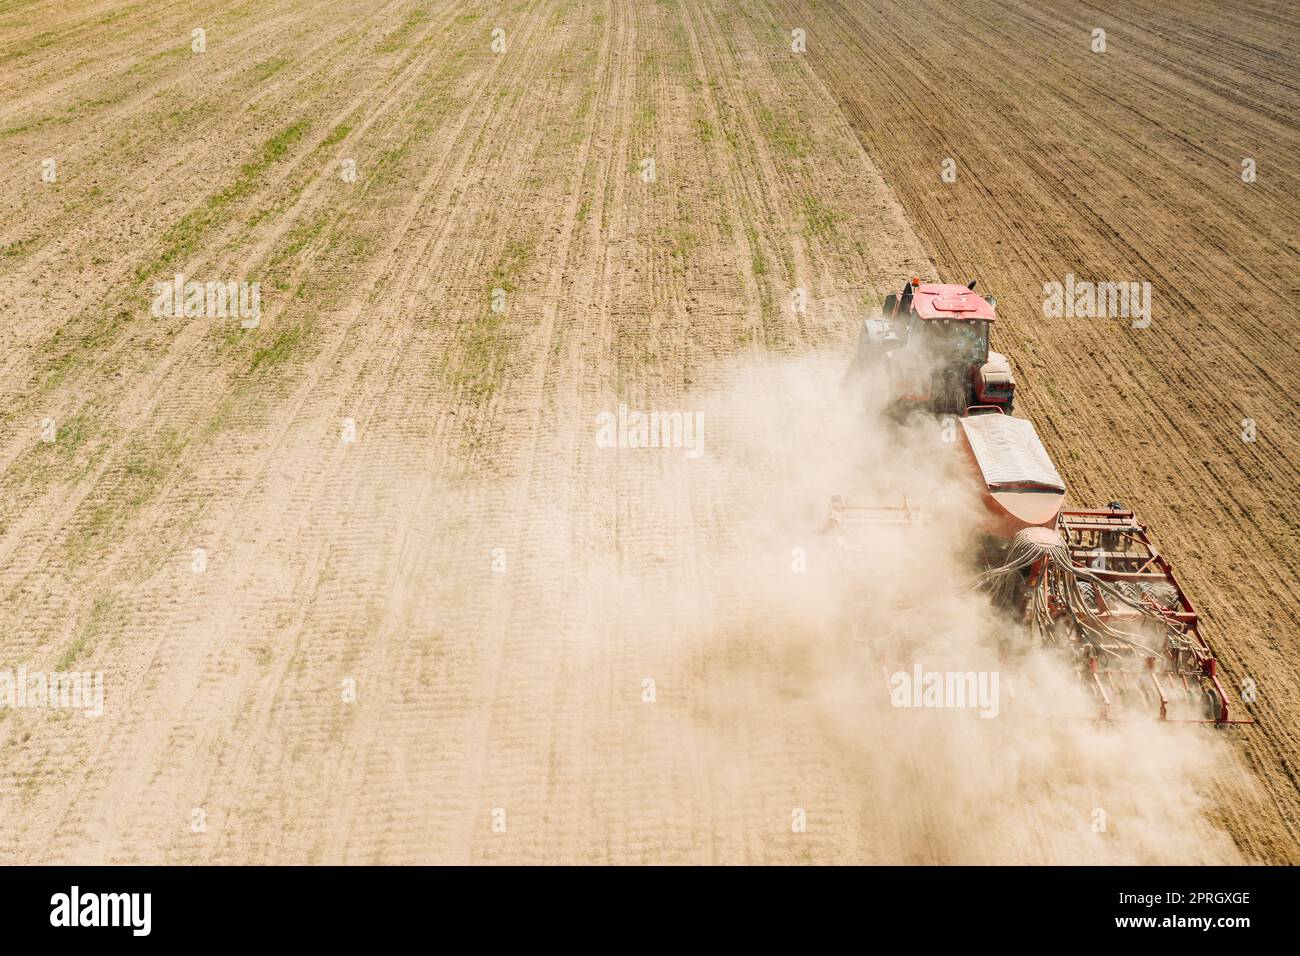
(793, 625)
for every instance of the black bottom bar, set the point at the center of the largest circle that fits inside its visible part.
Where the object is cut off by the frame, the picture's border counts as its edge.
(337, 906)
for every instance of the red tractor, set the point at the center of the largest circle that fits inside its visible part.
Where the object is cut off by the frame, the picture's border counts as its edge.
(931, 348)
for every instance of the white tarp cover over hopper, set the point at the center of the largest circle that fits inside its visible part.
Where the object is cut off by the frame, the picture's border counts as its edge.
(1010, 453)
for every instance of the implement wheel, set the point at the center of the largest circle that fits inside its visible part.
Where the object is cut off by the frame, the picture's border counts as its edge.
(1213, 704)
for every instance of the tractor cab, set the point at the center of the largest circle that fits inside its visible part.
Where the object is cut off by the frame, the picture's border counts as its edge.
(932, 346)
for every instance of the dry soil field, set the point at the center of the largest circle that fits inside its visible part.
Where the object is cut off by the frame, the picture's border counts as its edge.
(362, 583)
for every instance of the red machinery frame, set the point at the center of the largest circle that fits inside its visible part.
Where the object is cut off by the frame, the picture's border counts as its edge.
(1113, 545)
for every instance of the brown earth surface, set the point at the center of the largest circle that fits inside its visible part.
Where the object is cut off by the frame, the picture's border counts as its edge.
(502, 595)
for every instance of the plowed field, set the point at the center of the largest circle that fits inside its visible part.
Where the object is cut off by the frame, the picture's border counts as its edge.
(364, 585)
